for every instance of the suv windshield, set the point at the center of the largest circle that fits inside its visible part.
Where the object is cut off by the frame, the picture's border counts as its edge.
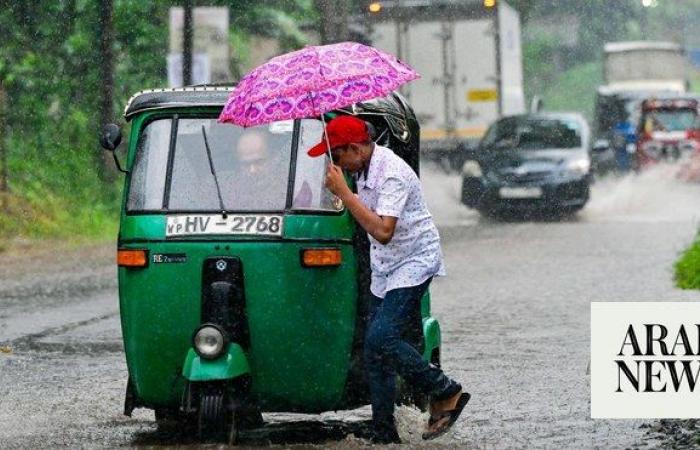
(252, 167)
(533, 134)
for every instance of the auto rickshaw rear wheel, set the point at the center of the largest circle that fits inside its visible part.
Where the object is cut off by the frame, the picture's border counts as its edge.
(172, 419)
(232, 436)
(249, 417)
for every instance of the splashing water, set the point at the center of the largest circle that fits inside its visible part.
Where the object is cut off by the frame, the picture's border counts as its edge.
(442, 193)
(655, 195)
(652, 196)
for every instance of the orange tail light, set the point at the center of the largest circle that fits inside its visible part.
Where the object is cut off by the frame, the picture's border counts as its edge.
(321, 257)
(132, 258)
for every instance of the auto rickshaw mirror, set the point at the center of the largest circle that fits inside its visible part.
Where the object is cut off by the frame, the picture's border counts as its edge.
(111, 136)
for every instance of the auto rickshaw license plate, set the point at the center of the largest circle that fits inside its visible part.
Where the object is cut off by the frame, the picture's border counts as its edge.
(241, 224)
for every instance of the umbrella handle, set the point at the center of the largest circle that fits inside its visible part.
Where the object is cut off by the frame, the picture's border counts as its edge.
(325, 135)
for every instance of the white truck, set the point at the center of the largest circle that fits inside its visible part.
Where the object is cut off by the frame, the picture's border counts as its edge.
(645, 66)
(469, 56)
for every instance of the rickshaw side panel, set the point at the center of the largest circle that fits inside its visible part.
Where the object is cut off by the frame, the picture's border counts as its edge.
(425, 304)
(431, 329)
(431, 338)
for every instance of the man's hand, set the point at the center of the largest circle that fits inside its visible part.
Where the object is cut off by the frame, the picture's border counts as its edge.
(380, 227)
(335, 182)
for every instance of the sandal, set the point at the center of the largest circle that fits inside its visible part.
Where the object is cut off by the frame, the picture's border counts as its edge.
(451, 415)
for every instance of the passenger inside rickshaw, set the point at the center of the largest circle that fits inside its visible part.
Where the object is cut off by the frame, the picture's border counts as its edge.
(252, 168)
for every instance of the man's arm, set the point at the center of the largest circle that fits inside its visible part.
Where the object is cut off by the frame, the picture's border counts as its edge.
(379, 227)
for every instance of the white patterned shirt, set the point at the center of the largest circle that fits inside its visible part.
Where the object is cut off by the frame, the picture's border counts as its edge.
(391, 188)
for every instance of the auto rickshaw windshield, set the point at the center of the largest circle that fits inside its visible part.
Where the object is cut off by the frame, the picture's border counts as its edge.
(670, 119)
(252, 167)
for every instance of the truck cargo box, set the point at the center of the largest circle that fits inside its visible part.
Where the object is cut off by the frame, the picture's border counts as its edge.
(470, 60)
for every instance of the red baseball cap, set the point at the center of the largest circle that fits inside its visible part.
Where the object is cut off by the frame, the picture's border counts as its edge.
(342, 130)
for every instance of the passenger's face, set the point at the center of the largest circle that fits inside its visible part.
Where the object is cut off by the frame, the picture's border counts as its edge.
(252, 153)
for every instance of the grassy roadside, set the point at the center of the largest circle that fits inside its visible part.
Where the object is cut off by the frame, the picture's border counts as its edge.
(687, 268)
(55, 194)
(26, 222)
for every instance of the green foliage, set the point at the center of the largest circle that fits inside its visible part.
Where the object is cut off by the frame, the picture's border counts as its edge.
(547, 62)
(574, 89)
(688, 268)
(537, 66)
(695, 82)
(49, 68)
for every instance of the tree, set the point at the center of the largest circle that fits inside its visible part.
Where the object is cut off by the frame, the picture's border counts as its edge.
(333, 20)
(103, 163)
(187, 38)
(3, 149)
(67, 66)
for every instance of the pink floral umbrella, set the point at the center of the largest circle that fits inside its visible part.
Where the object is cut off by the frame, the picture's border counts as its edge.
(312, 81)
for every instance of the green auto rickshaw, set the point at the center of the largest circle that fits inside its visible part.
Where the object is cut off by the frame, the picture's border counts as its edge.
(243, 283)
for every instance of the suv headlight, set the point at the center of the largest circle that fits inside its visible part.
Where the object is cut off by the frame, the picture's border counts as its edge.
(209, 341)
(577, 167)
(471, 168)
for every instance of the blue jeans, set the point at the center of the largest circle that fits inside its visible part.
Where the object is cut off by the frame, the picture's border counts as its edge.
(387, 354)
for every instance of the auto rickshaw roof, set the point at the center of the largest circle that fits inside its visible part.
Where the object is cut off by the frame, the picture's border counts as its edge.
(671, 102)
(393, 107)
(156, 99)
(391, 112)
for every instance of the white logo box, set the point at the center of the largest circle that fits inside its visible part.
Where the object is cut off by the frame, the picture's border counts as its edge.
(656, 385)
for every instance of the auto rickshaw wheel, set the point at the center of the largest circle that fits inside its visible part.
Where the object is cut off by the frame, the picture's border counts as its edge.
(169, 419)
(248, 417)
(212, 420)
(232, 438)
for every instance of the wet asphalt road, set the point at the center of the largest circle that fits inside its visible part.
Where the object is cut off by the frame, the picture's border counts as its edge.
(514, 312)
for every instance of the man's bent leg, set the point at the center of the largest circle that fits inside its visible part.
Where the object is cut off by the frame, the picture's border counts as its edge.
(400, 305)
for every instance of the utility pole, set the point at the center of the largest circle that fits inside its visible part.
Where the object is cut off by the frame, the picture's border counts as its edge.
(187, 33)
(334, 16)
(106, 114)
(447, 81)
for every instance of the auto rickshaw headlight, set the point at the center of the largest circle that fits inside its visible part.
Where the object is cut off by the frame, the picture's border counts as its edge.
(209, 341)
(688, 146)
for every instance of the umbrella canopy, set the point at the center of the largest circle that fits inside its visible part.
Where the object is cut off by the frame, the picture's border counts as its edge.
(312, 81)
